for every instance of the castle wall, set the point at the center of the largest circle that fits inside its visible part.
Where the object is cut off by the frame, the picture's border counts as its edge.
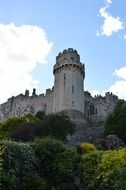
(23, 104)
(100, 107)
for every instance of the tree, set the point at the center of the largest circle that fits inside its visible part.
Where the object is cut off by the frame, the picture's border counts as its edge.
(116, 121)
(40, 115)
(46, 150)
(57, 125)
(20, 128)
(9, 126)
(26, 132)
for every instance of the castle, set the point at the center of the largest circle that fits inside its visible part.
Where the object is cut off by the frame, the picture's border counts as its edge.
(67, 94)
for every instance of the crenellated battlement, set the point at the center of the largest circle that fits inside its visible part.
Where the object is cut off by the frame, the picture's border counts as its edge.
(69, 59)
(68, 55)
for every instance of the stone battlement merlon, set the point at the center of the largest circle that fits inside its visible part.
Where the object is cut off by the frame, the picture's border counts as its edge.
(69, 58)
(69, 54)
(67, 50)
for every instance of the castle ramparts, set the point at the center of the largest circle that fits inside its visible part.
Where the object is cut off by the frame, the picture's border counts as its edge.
(67, 94)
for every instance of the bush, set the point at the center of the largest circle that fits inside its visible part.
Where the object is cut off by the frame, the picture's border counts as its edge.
(64, 167)
(87, 147)
(26, 132)
(112, 142)
(46, 149)
(89, 170)
(104, 170)
(20, 129)
(18, 160)
(113, 170)
(32, 181)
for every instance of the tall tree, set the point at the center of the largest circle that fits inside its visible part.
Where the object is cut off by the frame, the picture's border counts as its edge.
(116, 121)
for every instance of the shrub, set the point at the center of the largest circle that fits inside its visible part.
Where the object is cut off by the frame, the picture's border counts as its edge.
(87, 147)
(112, 142)
(20, 129)
(64, 167)
(46, 149)
(32, 181)
(89, 170)
(18, 160)
(26, 132)
(104, 170)
(113, 169)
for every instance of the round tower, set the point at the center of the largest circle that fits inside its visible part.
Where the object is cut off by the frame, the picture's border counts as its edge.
(69, 75)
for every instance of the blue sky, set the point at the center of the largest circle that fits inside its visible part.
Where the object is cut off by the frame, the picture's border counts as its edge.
(33, 32)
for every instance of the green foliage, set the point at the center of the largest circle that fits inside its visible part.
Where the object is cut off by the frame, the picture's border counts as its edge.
(58, 125)
(1, 164)
(64, 166)
(31, 118)
(20, 129)
(104, 170)
(32, 181)
(9, 126)
(40, 115)
(87, 147)
(65, 162)
(28, 127)
(46, 149)
(18, 160)
(1, 160)
(26, 132)
(47, 145)
(116, 122)
(89, 169)
(112, 142)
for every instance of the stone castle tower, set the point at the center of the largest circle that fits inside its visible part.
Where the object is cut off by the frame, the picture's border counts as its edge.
(67, 95)
(69, 75)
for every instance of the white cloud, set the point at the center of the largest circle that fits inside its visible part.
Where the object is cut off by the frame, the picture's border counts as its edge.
(108, 1)
(121, 73)
(21, 49)
(119, 87)
(111, 24)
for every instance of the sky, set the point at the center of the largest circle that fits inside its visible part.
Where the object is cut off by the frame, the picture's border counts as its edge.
(33, 32)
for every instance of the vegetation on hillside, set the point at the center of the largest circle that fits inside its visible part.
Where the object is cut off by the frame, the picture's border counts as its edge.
(28, 127)
(33, 156)
(116, 121)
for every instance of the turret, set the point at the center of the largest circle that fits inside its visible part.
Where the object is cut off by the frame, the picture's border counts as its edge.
(69, 74)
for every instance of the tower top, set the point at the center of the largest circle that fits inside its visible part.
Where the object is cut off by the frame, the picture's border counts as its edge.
(68, 58)
(69, 54)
